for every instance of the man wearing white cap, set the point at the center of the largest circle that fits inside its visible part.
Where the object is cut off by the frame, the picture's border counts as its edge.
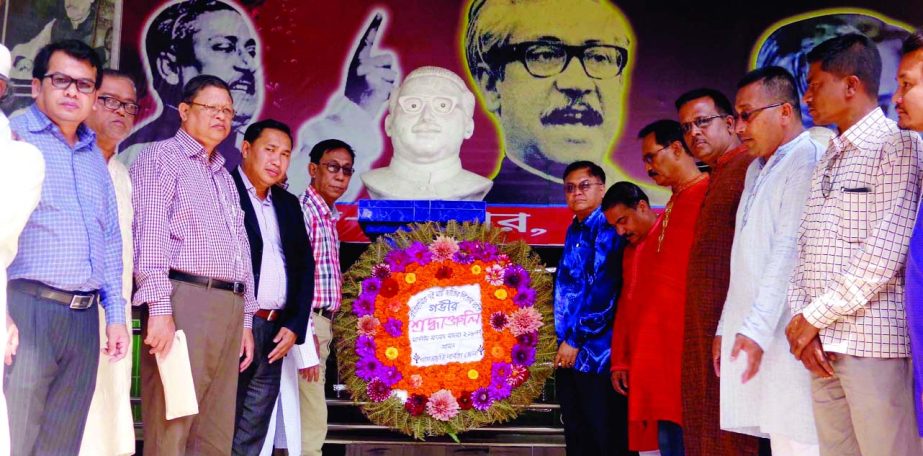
(22, 170)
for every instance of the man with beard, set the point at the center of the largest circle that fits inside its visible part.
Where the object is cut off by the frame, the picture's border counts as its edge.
(188, 38)
(708, 130)
(648, 336)
(110, 426)
(552, 74)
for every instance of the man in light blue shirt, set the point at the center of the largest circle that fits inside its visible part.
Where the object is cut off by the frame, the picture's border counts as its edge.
(69, 261)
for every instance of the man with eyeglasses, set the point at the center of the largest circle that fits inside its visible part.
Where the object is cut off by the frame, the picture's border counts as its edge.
(587, 286)
(847, 292)
(430, 115)
(553, 74)
(707, 120)
(764, 392)
(648, 337)
(110, 426)
(331, 169)
(69, 261)
(193, 272)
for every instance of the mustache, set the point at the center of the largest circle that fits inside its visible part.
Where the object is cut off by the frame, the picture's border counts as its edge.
(574, 113)
(426, 127)
(245, 83)
(652, 173)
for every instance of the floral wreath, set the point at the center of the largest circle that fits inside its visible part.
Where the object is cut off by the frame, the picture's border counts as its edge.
(393, 385)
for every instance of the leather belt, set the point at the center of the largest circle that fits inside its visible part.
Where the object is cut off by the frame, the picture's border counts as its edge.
(268, 315)
(79, 300)
(208, 282)
(328, 314)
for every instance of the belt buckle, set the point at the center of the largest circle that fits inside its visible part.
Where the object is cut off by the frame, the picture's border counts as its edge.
(81, 302)
(237, 288)
(273, 315)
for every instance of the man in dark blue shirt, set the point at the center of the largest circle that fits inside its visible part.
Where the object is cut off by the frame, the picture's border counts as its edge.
(587, 287)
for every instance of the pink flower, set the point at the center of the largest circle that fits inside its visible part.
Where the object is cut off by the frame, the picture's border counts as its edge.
(442, 405)
(524, 321)
(367, 325)
(494, 275)
(381, 271)
(416, 380)
(498, 321)
(443, 248)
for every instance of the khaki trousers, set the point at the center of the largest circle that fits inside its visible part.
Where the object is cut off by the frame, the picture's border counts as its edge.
(213, 322)
(866, 409)
(313, 400)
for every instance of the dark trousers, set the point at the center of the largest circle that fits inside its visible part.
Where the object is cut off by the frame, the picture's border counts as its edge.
(595, 416)
(50, 384)
(670, 439)
(257, 390)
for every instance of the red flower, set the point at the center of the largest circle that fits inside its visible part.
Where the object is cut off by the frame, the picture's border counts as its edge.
(464, 401)
(389, 288)
(415, 405)
(444, 272)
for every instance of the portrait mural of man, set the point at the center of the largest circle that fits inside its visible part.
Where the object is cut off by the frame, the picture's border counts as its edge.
(553, 74)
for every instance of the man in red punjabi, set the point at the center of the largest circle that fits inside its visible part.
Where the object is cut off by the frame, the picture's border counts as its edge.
(647, 355)
(707, 119)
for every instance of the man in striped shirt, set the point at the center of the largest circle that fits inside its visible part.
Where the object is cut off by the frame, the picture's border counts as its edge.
(330, 169)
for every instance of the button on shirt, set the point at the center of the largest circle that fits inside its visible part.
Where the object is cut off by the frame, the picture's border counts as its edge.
(188, 218)
(853, 239)
(321, 223)
(271, 286)
(72, 240)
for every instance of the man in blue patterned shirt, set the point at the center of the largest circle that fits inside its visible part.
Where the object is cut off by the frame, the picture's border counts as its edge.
(586, 290)
(69, 260)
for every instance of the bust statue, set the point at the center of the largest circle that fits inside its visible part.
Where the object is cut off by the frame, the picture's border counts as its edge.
(429, 116)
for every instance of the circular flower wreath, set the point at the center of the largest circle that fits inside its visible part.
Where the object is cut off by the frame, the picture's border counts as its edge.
(373, 347)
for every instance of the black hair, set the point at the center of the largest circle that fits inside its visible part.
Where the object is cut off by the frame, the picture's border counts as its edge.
(256, 129)
(136, 80)
(665, 132)
(778, 83)
(327, 145)
(76, 49)
(200, 83)
(848, 55)
(594, 169)
(912, 43)
(624, 193)
(722, 104)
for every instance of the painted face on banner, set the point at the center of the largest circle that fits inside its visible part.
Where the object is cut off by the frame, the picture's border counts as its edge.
(225, 45)
(78, 10)
(429, 122)
(551, 104)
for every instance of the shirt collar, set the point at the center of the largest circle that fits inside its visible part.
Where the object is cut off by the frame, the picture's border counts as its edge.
(590, 220)
(194, 148)
(252, 189)
(730, 155)
(783, 150)
(37, 121)
(429, 172)
(314, 198)
(859, 131)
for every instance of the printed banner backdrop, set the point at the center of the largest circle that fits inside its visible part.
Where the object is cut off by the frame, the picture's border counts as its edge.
(327, 68)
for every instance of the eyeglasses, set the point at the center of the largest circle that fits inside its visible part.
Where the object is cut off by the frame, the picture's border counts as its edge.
(583, 186)
(649, 157)
(335, 167)
(746, 116)
(544, 59)
(63, 81)
(701, 123)
(214, 110)
(114, 104)
(415, 104)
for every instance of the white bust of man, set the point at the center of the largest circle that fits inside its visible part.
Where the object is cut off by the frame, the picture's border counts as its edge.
(429, 116)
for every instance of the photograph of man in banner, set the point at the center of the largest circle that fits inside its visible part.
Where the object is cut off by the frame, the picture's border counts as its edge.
(186, 38)
(553, 75)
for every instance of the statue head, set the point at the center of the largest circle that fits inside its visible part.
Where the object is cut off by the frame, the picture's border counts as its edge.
(429, 115)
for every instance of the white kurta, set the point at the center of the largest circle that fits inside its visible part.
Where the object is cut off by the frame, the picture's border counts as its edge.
(110, 428)
(778, 399)
(22, 170)
(286, 433)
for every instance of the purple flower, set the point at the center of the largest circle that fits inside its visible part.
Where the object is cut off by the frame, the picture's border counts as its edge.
(516, 277)
(397, 260)
(499, 372)
(391, 375)
(523, 355)
(365, 346)
(378, 390)
(364, 305)
(367, 367)
(525, 297)
(498, 321)
(481, 399)
(393, 327)
(528, 339)
(463, 257)
(499, 391)
(487, 252)
(420, 253)
(371, 286)
(381, 271)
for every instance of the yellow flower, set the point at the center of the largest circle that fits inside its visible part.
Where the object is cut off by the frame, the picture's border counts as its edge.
(473, 374)
(391, 353)
(501, 294)
(410, 277)
(476, 269)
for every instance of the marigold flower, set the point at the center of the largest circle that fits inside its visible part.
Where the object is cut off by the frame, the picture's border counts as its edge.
(391, 353)
(501, 294)
(473, 374)
(410, 277)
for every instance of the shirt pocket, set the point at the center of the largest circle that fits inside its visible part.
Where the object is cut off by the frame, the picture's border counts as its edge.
(855, 209)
